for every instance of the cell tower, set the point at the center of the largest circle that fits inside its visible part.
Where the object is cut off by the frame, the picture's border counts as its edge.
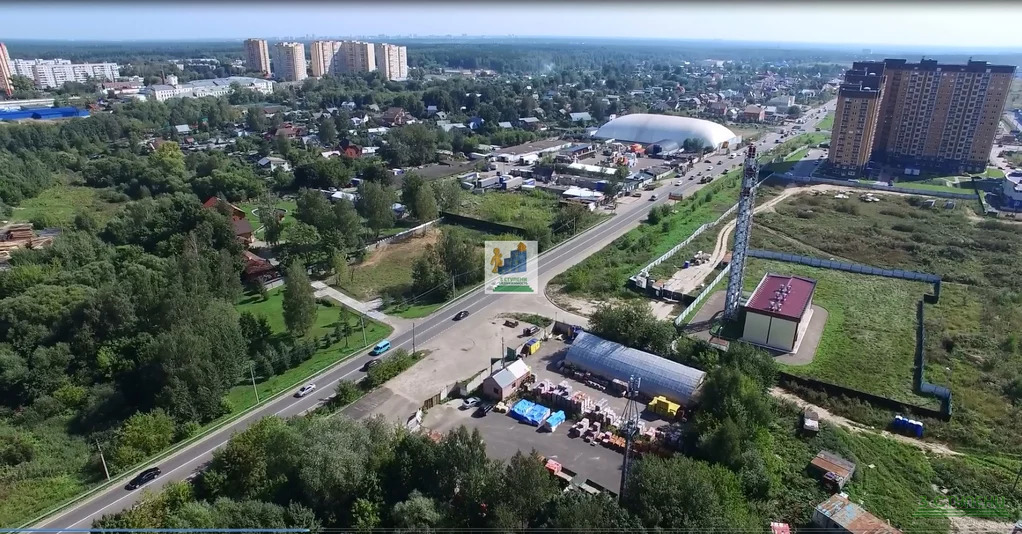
(746, 202)
(629, 427)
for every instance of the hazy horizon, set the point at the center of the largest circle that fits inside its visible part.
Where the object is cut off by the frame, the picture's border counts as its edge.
(872, 25)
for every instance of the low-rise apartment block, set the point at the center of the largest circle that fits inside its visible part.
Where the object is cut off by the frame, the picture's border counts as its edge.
(53, 73)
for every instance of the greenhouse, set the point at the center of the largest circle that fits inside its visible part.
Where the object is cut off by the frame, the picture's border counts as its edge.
(657, 376)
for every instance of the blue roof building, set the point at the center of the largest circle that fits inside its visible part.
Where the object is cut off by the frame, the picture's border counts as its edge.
(43, 114)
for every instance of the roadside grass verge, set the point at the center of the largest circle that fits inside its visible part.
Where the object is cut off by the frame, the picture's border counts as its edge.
(827, 123)
(242, 397)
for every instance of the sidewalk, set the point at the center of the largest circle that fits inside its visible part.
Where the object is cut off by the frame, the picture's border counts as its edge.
(323, 290)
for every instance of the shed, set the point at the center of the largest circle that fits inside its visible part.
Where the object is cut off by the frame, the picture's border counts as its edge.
(838, 514)
(833, 470)
(506, 381)
(182, 128)
(657, 376)
(777, 311)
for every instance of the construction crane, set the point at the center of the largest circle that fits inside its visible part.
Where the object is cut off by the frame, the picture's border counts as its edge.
(629, 427)
(746, 203)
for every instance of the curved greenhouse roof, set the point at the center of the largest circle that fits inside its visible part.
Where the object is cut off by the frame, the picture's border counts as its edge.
(658, 376)
(646, 128)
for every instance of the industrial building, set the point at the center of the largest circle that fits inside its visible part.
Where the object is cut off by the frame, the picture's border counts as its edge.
(778, 311)
(648, 129)
(1011, 191)
(289, 61)
(529, 151)
(257, 56)
(838, 514)
(43, 114)
(201, 88)
(658, 377)
(505, 382)
(928, 115)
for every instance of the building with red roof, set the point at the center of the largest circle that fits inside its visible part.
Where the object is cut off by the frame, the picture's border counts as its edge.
(778, 311)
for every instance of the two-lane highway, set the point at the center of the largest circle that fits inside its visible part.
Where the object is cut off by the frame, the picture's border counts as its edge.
(186, 462)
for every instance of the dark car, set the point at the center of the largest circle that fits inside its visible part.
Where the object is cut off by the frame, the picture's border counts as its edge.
(143, 478)
(372, 363)
(461, 315)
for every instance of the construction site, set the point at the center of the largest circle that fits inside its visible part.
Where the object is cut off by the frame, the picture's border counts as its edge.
(22, 236)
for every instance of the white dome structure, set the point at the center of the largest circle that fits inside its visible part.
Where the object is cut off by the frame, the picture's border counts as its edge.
(646, 128)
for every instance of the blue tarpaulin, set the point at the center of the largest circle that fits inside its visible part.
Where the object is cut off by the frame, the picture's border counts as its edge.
(537, 414)
(555, 419)
(521, 409)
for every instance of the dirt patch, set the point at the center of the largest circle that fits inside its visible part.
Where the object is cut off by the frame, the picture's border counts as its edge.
(568, 303)
(936, 448)
(414, 247)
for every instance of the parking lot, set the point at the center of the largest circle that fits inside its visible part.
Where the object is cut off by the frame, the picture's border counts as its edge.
(504, 435)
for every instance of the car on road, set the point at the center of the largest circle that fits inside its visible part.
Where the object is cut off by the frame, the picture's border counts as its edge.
(370, 364)
(461, 315)
(721, 162)
(143, 478)
(469, 403)
(653, 196)
(380, 348)
(678, 182)
(305, 390)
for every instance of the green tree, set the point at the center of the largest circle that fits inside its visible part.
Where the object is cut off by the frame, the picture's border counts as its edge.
(339, 264)
(424, 207)
(299, 301)
(141, 436)
(375, 204)
(448, 195)
(794, 112)
(255, 119)
(327, 131)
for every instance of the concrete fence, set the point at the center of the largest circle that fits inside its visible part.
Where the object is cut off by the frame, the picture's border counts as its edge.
(401, 236)
(680, 320)
(674, 250)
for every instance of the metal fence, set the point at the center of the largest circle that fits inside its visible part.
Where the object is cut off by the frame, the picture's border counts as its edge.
(674, 250)
(874, 187)
(701, 297)
(844, 266)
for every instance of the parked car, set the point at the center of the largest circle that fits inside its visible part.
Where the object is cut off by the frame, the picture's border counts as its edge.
(530, 330)
(483, 409)
(143, 478)
(305, 390)
(469, 403)
(461, 315)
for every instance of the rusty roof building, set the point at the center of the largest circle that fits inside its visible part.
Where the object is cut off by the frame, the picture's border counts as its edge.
(832, 469)
(841, 515)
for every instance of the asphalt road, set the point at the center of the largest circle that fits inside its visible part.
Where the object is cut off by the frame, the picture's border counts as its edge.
(188, 461)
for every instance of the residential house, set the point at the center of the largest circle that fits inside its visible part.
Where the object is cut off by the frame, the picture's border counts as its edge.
(475, 123)
(359, 120)
(236, 212)
(505, 125)
(257, 269)
(243, 231)
(833, 470)
(395, 117)
(350, 150)
(242, 228)
(717, 108)
(838, 514)
(349, 105)
(273, 163)
(373, 107)
(754, 113)
(182, 129)
(287, 129)
(447, 126)
(531, 123)
(581, 117)
(431, 110)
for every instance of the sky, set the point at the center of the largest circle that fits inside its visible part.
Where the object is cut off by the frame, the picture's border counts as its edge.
(968, 25)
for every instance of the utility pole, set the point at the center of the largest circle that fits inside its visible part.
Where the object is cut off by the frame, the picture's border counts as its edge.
(103, 459)
(454, 288)
(251, 370)
(362, 319)
(413, 338)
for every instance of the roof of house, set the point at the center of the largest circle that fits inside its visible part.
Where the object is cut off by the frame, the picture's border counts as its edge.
(529, 119)
(271, 159)
(785, 297)
(582, 116)
(507, 376)
(753, 109)
(242, 227)
(505, 124)
(182, 128)
(852, 517)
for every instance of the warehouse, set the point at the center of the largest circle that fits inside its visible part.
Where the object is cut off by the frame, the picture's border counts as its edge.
(778, 311)
(657, 376)
(648, 129)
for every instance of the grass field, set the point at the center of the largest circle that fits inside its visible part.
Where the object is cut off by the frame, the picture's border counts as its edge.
(250, 213)
(242, 396)
(926, 186)
(57, 206)
(972, 330)
(515, 209)
(827, 123)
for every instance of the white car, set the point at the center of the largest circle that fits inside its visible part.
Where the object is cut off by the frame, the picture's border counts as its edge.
(469, 403)
(678, 182)
(305, 390)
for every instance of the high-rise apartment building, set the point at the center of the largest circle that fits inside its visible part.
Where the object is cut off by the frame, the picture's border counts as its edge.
(6, 84)
(931, 116)
(324, 55)
(257, 56)
(289, 61)
(392, 61)
(355, 57)
(51, 73)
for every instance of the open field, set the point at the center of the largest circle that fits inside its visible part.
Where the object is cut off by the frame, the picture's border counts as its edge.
(57, 206)
(242, 397)
(972, 330)
(827, 123)
(515, 209)
(386, 270)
